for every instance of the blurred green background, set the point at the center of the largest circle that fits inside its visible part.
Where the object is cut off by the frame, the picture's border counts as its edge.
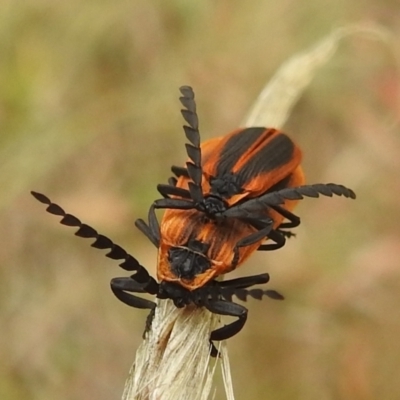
(89, 115)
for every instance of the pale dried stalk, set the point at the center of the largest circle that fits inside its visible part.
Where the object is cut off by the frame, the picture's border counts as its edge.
(275, 102)
(175, 354)
(173, 361)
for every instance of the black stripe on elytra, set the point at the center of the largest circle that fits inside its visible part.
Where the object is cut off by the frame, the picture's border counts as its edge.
(191, 228)
(275, 154)
(235, 147)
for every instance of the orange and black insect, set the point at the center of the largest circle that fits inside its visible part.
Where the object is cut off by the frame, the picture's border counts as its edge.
(253, 174)
(234, 193)
(219, 211)
(206, 231)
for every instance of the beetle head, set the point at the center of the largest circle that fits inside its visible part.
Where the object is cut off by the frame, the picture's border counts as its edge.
(187, 262)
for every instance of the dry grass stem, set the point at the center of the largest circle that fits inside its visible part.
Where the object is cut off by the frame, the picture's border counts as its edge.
(173, 360)
(275, 102)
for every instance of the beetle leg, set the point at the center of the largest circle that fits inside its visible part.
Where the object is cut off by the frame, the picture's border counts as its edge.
(279, 239)
(244, 282)
(294, 219)
(236, 287)
(167, 190)
(255, 237)
(172, 181)
(152, 230)
(251, 239)
(179, 171)
(175, 204)
(228, 308)
(120, 286)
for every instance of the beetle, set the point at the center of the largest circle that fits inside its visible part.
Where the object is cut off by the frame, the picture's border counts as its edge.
(214, 295)
(214, 219)
(252, 174)
(234, 193)
(211, 223)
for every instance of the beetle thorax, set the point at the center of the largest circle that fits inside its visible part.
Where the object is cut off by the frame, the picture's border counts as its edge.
(225, 186)
(214, 205)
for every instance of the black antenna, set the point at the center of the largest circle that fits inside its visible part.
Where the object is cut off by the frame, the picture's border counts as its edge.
(193, 149)
(101, 242)
(295, 193)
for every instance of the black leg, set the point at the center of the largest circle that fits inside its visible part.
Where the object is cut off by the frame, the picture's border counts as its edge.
(256, 236)
(167, 190)
(236, 287)
(249, 240)
(152, 230)
(120, 286)
(275, 236)
(174, 204)
(245, 281)
(228, 308)
(172, 181)
(294, 220)
(179, 171)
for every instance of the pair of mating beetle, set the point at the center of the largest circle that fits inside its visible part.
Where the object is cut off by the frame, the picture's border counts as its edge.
(234, 193)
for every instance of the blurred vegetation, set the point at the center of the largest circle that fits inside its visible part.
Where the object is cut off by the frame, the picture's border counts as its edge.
(89, 115)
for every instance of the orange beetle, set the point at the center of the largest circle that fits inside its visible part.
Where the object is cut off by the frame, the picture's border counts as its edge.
(234, 194)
